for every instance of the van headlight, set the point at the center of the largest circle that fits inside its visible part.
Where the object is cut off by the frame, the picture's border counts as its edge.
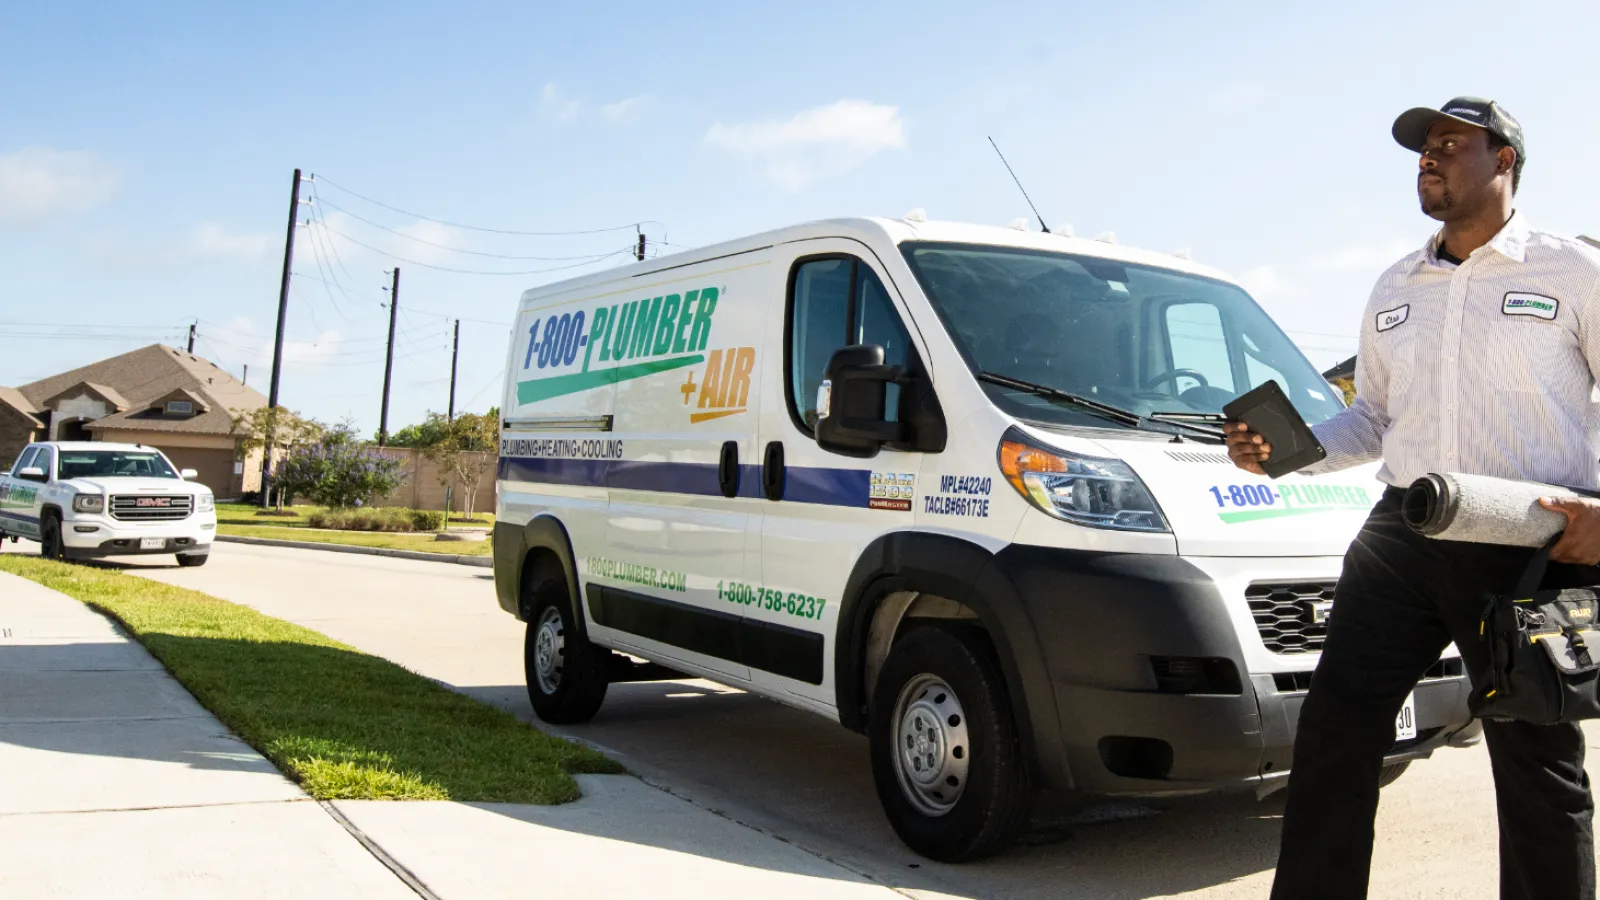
(89, 503)
(1084, 490)
(206, 503)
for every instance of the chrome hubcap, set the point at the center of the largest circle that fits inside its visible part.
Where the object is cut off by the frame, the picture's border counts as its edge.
(549, 651)
(931, 748)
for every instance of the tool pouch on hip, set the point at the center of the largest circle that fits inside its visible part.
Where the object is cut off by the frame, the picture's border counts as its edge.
(1544, 652)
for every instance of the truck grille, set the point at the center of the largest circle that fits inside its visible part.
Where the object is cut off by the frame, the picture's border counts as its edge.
(147, 508)
(1284, 614)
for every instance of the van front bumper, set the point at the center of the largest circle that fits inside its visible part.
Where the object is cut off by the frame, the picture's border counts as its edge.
(1113, 630)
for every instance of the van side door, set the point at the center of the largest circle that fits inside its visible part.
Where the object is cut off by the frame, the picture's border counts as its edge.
(679, 521)
(823, 509)
(19, 499)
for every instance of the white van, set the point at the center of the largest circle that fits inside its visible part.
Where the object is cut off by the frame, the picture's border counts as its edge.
(959, 488)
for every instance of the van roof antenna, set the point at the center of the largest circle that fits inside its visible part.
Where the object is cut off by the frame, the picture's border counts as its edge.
(1042, 226)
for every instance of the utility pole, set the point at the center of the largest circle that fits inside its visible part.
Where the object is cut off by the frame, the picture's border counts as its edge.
(247, 374)
(638, 253)
(388, 361)
(277, 348)
(455, 353)
(191, 339)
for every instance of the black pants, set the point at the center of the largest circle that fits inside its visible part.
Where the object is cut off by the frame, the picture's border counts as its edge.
(1401, 600)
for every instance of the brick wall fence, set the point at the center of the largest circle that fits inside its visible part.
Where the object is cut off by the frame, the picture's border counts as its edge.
(422, 489)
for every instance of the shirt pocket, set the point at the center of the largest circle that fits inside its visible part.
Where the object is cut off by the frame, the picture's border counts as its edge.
(1520, 353)
(1399, 348)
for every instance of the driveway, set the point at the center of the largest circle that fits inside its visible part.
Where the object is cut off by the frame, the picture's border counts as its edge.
(806, 780)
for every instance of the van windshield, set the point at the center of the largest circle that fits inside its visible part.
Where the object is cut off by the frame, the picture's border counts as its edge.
(114, 464)
(1148, 340)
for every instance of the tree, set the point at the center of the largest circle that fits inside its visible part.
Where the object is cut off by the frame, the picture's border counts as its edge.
(465, 450)
(339, 471)
(276, 430)
(418, 436)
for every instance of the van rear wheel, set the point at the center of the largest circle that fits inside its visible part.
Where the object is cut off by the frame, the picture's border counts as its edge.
(566, 674)
(1391, 773)
(946, 756)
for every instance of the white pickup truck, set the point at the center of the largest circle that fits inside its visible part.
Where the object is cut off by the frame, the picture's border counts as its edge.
(82, 500)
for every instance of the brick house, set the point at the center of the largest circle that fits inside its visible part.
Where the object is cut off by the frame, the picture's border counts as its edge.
(158, 396)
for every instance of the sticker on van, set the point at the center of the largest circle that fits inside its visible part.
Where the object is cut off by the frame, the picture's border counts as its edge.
(1252, 502)
(891, 490)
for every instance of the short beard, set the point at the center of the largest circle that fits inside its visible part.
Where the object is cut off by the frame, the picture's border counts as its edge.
(1445, 202)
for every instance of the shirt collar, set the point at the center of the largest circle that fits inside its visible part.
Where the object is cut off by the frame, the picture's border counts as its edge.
(1511, 242)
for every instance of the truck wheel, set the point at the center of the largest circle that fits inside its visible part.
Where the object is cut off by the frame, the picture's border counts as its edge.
(566, 674)
(191, 560)
(946, 756)
(1391, 773)
(50, 545)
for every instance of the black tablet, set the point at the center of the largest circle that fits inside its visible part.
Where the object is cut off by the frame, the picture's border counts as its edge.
(1268, 412)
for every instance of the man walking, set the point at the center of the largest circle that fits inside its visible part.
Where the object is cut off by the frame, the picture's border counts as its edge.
(1478, 354)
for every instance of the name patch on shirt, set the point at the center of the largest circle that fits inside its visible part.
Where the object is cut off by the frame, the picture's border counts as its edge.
(1521, 304)
(1392, 317)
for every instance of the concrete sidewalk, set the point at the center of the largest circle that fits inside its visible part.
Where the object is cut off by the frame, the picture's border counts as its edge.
(115, 782)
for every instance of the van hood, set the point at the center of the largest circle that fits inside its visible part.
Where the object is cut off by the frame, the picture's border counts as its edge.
(138, 486)
(1218, 509)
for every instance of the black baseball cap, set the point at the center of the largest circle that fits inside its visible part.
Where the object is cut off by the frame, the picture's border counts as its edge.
(1411, 129)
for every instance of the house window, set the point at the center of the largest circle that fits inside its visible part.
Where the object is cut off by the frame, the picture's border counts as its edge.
(180, 408)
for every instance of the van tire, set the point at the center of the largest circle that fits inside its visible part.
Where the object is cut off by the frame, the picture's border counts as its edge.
(980, 743)
(1391, 773)
(566, 675)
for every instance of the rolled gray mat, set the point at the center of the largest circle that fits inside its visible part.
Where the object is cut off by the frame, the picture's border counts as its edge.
(1484, 510)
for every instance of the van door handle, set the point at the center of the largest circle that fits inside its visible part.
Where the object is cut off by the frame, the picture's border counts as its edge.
(728, 469)
(772, 474)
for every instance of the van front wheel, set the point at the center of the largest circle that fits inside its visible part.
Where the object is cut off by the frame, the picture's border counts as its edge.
(566, 674)
(946, 757)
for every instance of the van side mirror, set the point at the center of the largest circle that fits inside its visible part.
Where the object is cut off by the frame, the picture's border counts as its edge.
(31, 473)
(188, 474)
(851, 420)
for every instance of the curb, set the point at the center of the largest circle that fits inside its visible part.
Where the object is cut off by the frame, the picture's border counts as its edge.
(483, 562)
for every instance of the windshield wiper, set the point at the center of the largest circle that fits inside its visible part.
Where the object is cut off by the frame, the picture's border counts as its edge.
(1115, 413)
(1218, 418)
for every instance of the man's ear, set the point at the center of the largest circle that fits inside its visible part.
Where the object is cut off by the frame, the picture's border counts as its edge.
(1505, 160)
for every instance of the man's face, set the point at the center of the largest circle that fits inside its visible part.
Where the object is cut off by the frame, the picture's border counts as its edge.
(1456, 171)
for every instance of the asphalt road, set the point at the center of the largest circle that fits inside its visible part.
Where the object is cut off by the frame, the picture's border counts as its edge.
(806, 780)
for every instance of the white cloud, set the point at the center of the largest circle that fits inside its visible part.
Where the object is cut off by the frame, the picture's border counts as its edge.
(625, 110)
(1371, 257)
(208, 242)
(814, 143)
(40, 183)
(556, 104)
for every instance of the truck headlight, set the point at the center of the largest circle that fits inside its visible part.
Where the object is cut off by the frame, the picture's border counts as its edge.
(89, 503)
(206, 503)
(1084, 490)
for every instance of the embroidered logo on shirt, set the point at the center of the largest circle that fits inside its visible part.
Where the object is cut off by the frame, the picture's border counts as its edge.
(1392, 317)
(1520, 304)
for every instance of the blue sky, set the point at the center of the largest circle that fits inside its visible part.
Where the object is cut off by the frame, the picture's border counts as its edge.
(146, 151)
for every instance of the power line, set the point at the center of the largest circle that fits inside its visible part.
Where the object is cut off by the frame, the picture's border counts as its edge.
(412, 237)
(412, 262)
(632, 226)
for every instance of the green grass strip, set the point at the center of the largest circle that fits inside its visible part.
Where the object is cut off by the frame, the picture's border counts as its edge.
(384, 539)
(342, 723)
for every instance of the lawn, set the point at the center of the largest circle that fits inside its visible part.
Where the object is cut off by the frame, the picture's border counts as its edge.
(235, 514)
(342, 723)
(384, 539)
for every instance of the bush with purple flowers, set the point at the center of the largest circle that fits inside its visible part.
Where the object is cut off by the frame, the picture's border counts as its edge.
(337, 471)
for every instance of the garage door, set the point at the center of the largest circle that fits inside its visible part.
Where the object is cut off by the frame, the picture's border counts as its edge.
(215, 467)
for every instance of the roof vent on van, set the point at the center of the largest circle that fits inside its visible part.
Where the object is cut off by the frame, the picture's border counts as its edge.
(1183, 253)
(916, 215)
(1106, 237)
(1020, 223)
(1063, 230)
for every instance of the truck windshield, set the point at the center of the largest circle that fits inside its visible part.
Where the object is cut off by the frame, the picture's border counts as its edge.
(114, 464)
(1148, 340)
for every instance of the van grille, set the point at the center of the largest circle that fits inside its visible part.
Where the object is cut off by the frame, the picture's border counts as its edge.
(149, 508)
(1283, 614)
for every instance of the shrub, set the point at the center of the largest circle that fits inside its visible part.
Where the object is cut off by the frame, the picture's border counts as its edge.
(427, 519)
(338, 473)
(380, 519)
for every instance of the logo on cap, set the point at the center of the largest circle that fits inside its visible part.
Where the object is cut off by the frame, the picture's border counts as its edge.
(1461, 110)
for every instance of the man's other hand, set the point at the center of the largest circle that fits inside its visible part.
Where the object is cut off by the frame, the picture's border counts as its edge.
(1246, 448)
(1580, 543)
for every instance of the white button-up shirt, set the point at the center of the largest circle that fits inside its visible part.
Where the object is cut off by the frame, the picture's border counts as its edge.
(1486, 368)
